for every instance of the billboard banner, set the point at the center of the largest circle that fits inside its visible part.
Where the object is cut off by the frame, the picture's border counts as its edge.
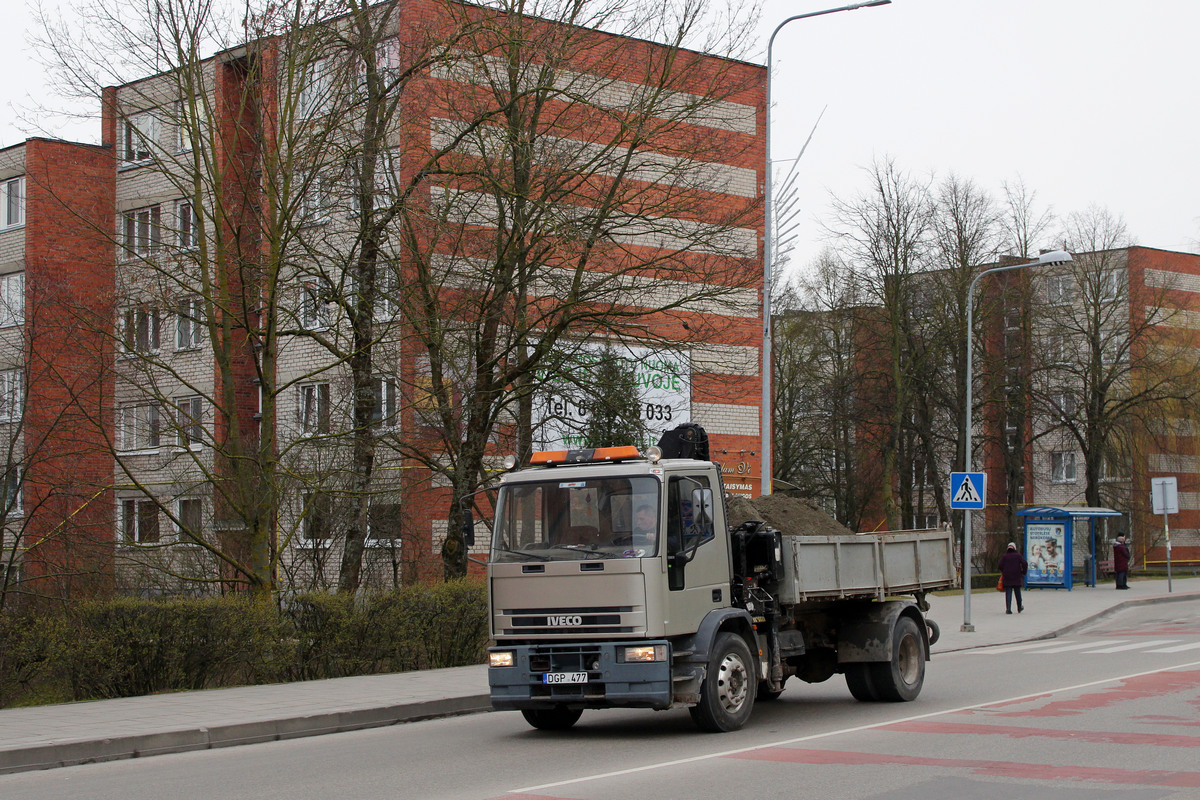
(1046, 551)
(560, 410)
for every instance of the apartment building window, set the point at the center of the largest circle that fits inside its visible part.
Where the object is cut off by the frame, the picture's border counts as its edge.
(12, 299)
(1112, 350)
(1062, 467)
(384, 414)
(314, 199)
(189, 421)
(12, 202)
(1060, 289)
(139, 132)
(189, 322)
(142, 236)
(315, 308)
(1063, 403)
(139, 521)
(1111, 285)
(317, 525)
(314, 408)
(189, 225)
(383, 523)
(387, 306)
(315, 83)
(12, 395)
(11, 505)
(183, 127)
(139, 427)
(140, 330)
(190, 513)
(1056, 349)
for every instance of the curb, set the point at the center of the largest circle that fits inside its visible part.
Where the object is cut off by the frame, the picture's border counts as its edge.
(71, 753)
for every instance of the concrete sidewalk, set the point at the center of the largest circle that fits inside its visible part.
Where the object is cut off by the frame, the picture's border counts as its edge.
(106, 730)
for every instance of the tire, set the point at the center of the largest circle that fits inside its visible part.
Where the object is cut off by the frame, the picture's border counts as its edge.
(559, 718)
(901, 679)
(858, 679)
(935, 632)
(765, 695)
(727, 694)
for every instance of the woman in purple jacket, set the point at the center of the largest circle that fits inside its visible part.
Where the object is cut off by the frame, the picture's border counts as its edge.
(1012, 571)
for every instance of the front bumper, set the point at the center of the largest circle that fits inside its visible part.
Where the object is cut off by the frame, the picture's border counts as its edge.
(610, 683)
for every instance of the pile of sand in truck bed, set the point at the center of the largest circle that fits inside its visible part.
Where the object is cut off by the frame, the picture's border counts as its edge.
(788, 515)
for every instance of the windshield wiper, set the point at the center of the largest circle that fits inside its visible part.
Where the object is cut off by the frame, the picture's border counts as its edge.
(589, 549)
(524, 553)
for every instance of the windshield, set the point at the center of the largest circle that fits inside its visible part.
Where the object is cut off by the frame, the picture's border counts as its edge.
(565, 520)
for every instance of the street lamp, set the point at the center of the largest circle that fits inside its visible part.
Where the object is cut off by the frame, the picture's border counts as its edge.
(768, 248)
(1044, 260)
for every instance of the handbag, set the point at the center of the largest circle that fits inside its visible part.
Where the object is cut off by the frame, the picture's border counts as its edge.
(1000, 584)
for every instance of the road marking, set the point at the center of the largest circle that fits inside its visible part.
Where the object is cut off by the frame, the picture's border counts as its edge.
(987, 651)
(1122, 648)
(1179, 648)
(1001, 769)
(1077, 646)
(841, 731)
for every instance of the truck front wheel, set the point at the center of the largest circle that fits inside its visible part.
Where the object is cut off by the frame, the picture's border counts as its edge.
(558, 718)
(727, 694)
(901, 678)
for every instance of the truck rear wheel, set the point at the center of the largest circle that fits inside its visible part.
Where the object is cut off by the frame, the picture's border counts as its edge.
(901, 679)
(858, 679)
(727, 694)
(558, 718)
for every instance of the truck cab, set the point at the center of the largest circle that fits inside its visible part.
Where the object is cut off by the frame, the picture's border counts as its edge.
(601, 562)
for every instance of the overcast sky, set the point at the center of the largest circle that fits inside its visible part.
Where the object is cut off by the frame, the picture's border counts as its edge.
(1087, 101)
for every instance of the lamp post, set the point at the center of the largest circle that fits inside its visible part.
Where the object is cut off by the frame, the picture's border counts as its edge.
(768, 245)
(1044, 260)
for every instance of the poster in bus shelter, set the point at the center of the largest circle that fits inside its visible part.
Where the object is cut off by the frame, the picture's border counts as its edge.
(1046, 551)
(561, 410)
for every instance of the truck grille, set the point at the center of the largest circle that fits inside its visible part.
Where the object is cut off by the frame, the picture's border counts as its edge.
(541, 621)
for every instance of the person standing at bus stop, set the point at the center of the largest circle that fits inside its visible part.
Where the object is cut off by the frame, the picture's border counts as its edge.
(1121, 562)
(1012, 572)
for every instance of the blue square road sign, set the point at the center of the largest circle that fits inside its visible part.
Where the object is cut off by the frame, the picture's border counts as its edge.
(968, 490)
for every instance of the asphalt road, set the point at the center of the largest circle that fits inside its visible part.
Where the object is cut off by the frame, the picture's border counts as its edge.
(1108, 713)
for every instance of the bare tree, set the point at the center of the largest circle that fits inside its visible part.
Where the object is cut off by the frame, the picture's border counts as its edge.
(885, 233)
(1107, 365)
(818, 391)
(578, 204)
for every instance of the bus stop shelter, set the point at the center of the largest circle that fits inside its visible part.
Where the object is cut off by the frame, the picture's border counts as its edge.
(1050, 543)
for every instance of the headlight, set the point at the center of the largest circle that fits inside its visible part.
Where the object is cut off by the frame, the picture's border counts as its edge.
(504, 658)
(645, 652)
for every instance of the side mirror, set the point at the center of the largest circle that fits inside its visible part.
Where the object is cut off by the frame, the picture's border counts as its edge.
(468, 527)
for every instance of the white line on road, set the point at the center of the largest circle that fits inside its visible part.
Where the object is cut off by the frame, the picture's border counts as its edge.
(1179, 648)
(1134, 646)
(855, 729)
(987, 651)
(1081, 646)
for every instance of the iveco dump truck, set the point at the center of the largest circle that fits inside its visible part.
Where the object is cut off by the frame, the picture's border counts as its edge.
(615, 582)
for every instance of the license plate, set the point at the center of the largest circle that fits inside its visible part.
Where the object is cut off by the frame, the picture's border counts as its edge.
(565, 677)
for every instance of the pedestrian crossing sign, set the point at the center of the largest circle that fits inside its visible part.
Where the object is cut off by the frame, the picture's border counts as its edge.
(967, 490)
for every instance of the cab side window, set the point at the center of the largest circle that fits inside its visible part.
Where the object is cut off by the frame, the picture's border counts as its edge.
(689, 518)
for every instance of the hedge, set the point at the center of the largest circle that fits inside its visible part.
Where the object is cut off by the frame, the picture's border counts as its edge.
(129, 647)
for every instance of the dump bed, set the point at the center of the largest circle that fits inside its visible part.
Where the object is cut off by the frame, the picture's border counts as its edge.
(866, 564)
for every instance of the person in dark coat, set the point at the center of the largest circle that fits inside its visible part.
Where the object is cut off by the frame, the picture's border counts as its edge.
(1012, 571)
(1121, 562)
